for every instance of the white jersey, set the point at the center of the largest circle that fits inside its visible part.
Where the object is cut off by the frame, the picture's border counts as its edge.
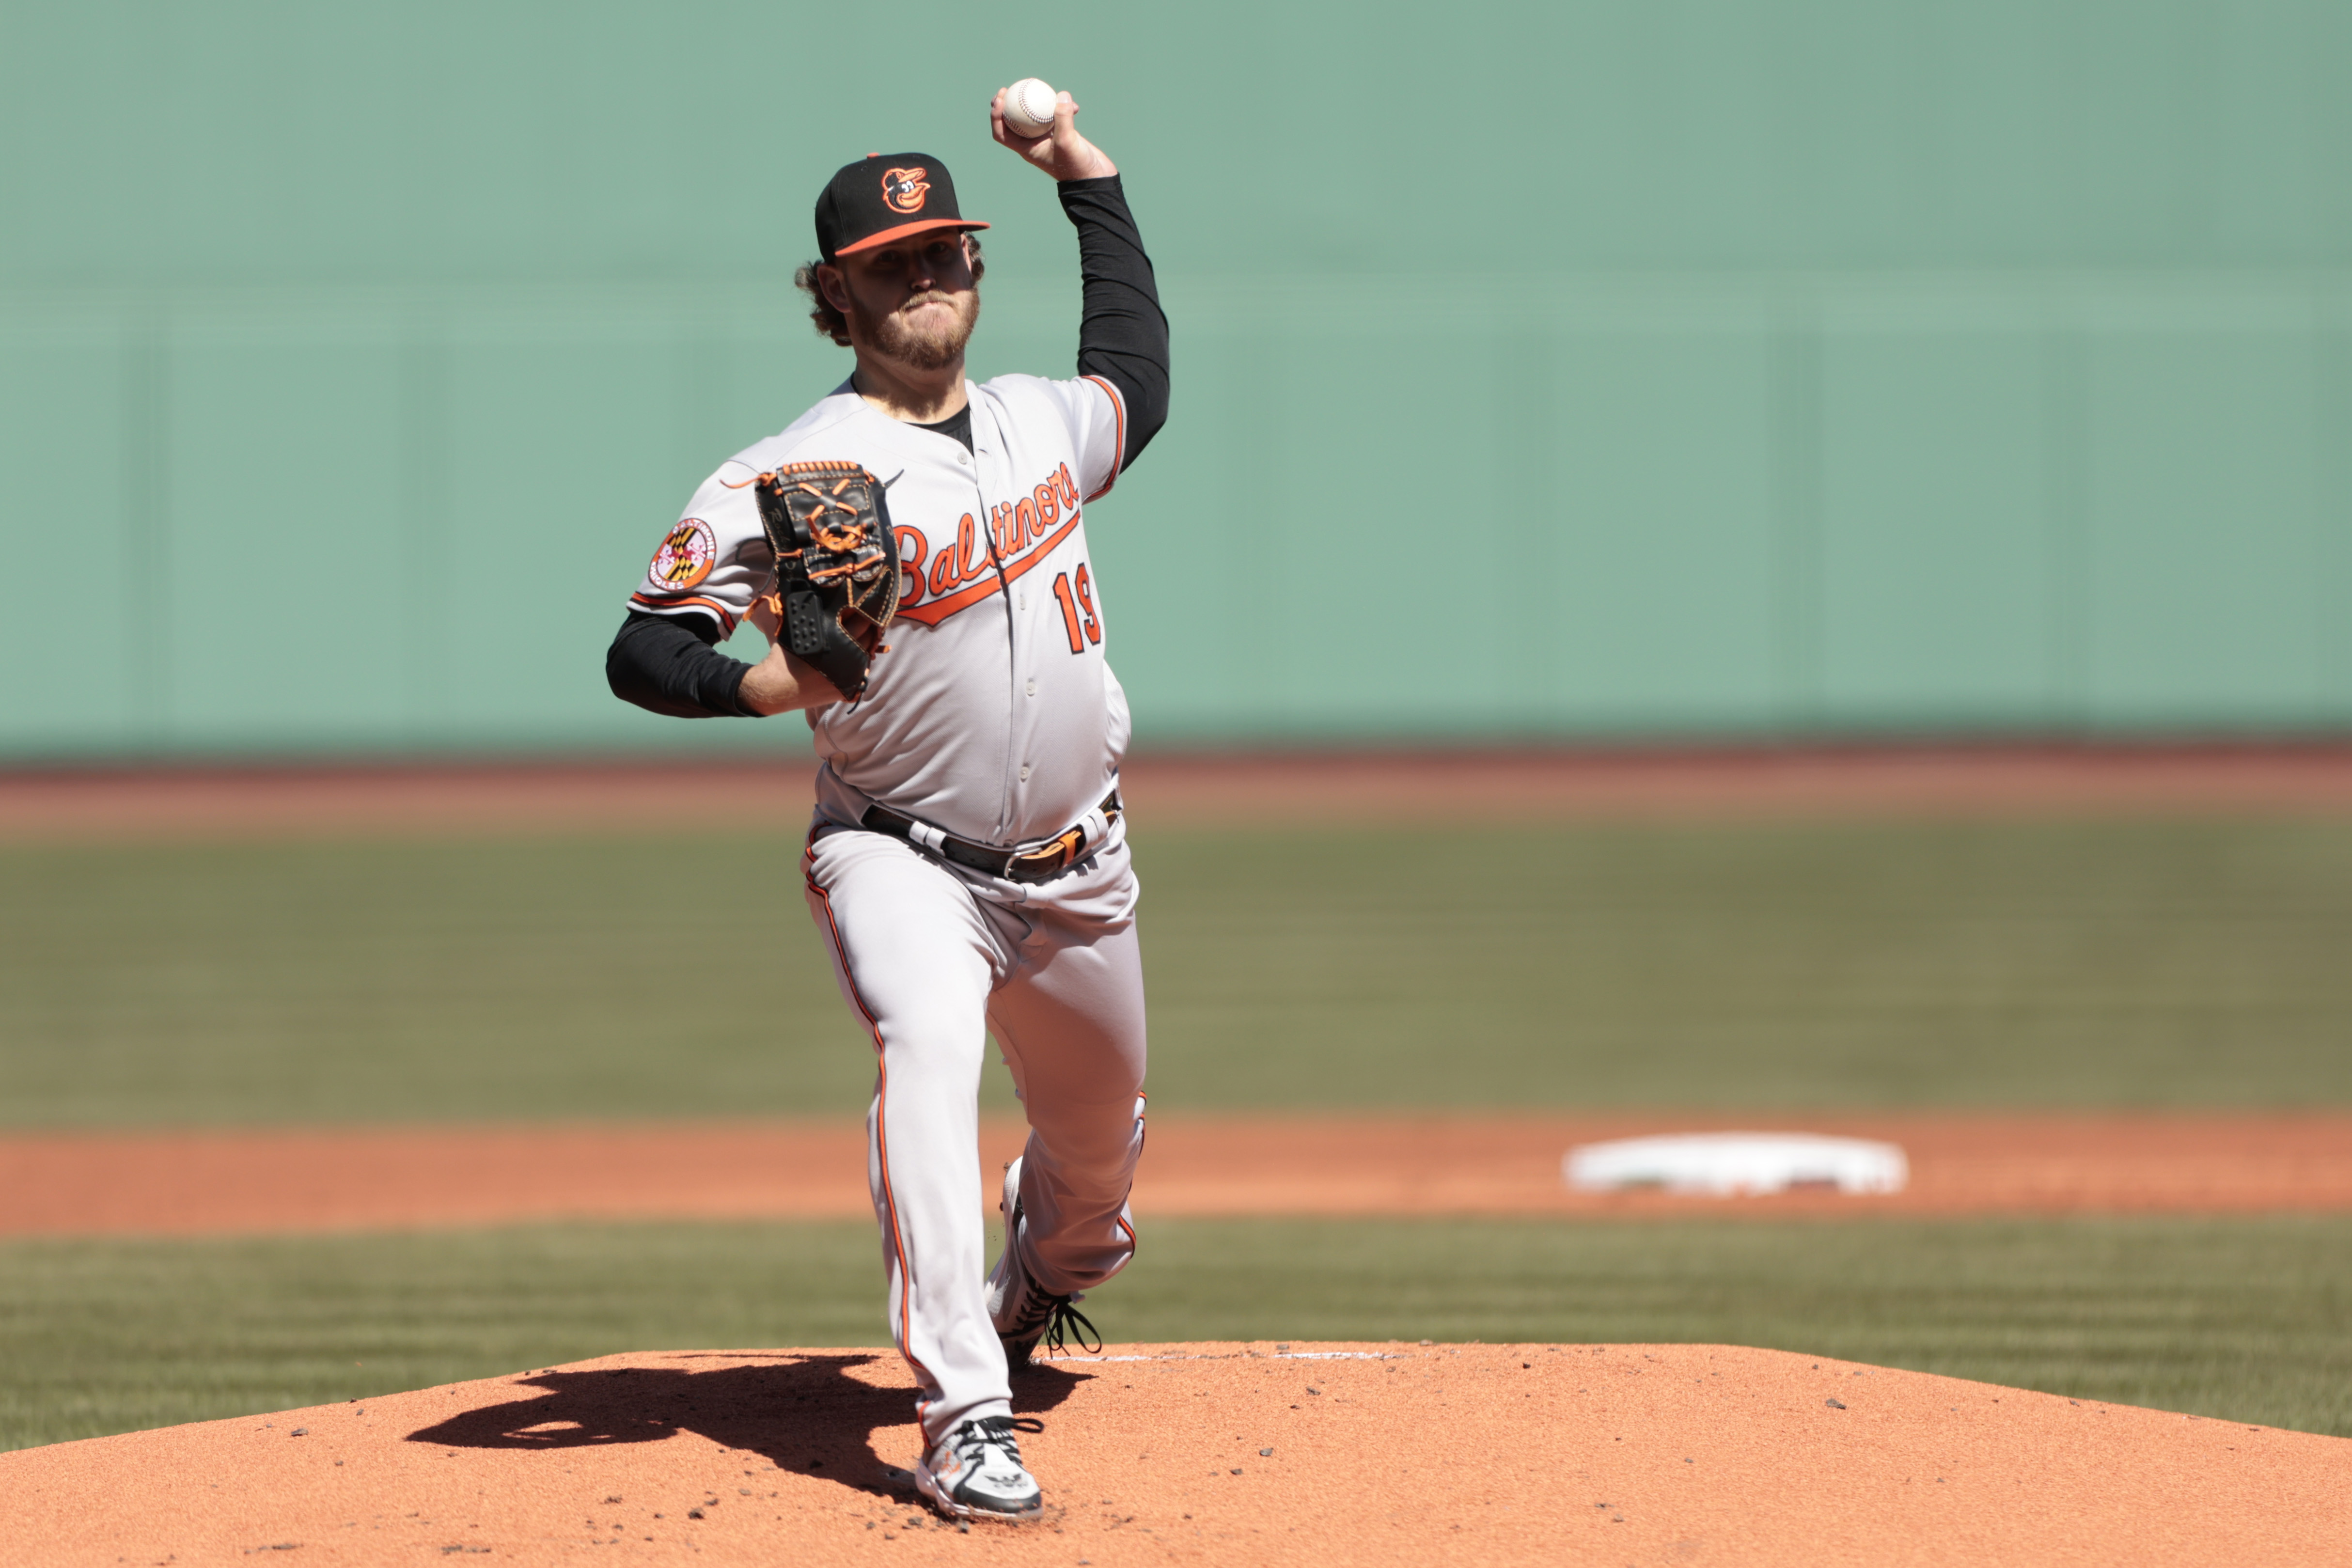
(995, 714)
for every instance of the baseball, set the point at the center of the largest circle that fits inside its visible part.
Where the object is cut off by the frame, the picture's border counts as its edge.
(1029, 108)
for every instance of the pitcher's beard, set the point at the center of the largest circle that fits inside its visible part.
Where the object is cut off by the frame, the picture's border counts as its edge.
(919, 349)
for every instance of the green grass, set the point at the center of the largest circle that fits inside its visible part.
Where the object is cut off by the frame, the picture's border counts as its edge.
(2240, 1318)
(1757, 966)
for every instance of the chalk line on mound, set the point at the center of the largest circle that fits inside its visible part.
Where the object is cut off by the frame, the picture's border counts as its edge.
(1213, 1453)
(1239, 1355)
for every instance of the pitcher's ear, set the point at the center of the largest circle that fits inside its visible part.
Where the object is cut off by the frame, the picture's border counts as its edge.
(834, 287)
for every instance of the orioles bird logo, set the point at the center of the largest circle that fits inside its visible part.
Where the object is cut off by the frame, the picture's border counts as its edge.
(903, 190)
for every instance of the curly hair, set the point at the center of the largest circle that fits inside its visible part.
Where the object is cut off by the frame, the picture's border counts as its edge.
(830, 323)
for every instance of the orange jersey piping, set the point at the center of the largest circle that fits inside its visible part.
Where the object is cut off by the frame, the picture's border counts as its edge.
(667, 603)
(881, 1119)
(1118, 407)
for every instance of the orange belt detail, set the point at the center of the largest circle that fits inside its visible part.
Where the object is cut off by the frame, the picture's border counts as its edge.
(1032, 865)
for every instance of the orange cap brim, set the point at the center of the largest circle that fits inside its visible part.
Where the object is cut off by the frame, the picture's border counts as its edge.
(874, 240)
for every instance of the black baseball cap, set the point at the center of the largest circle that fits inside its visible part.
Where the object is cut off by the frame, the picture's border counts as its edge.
(882, 198)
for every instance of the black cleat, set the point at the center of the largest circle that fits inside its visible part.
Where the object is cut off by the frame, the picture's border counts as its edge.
(1023, 1311)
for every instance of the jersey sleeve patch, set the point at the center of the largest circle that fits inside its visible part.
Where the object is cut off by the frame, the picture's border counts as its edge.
(684, 558)
(712, 560)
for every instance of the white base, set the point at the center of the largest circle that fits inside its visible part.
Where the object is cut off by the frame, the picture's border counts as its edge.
(1723, 1165)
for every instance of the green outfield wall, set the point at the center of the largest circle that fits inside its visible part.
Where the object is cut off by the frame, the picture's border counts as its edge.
(1642, 369)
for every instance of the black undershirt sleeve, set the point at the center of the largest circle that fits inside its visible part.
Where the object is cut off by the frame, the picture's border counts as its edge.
(1123, 334)
(671, 664)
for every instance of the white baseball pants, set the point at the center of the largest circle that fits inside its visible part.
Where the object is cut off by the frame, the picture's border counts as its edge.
(932, 957)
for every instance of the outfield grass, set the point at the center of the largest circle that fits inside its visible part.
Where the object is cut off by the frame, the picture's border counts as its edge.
(2240, 1319)
(1755, 966)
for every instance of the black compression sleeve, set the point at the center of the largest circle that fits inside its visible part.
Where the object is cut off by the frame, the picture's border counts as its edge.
(671, 664)
(1123, 334)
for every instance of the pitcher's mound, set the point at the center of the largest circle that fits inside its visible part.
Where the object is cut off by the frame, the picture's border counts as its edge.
(1263, 1452)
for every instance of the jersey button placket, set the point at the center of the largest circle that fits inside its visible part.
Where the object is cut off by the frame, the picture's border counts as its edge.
(984, 465)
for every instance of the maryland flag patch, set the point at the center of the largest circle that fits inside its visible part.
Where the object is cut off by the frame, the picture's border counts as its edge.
(687, 554)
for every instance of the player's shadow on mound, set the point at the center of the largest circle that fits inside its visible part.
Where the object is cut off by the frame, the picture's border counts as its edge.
(807, 1415)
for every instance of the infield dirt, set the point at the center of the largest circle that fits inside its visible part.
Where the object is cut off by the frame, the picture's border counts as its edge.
(308, 1179)
(1320, 788)
(1227, 1454)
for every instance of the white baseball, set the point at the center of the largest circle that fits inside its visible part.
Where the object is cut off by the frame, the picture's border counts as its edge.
(1029, 108)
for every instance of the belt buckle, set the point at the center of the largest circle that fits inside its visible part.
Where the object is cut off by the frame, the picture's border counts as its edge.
(1043, 863)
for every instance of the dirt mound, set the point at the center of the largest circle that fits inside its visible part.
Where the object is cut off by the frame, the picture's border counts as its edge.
(1357, 1454)
(192, 1182)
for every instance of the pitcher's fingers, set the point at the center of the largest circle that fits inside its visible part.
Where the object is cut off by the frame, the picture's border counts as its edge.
(996, 126)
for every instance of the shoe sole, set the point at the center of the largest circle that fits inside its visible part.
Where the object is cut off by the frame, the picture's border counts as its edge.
(929, 1485)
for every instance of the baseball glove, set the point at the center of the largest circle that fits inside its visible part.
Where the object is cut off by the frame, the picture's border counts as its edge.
(836, 567)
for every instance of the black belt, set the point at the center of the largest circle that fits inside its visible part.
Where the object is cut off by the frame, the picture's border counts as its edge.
(1013, 865)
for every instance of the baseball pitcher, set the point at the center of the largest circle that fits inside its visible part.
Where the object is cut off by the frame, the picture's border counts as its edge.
(914, 547)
